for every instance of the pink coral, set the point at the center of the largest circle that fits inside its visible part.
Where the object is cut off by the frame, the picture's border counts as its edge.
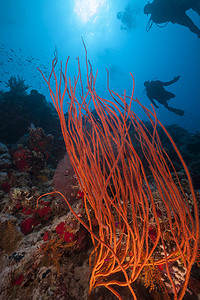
(64, 179)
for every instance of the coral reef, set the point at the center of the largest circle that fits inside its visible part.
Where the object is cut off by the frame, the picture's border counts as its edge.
(44, 249)
(17, 85)
(189, 145)
(19, 110)
(145, 219)
(5, 159)
(44, 244)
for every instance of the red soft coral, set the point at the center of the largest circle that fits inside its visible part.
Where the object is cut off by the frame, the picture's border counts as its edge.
(28, 224)
(21, 159)
(60, 229)
(152, 234)
(43, 212)
(27, 211)
(18, 280)
(69, 237)
(5, 186)
(46, 236)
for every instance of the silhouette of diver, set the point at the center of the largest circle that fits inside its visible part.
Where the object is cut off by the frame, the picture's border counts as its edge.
(155, 90)
(173, 11)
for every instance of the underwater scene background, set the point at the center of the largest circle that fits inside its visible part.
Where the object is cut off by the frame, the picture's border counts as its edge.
(101, 244)
(32, 31)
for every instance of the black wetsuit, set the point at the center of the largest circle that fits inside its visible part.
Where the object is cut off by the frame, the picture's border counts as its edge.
(155, 90)
(174, 11)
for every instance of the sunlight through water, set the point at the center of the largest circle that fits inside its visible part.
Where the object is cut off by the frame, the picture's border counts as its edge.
(86, 9)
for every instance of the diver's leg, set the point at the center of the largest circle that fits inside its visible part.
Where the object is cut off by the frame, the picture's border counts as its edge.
(177, 111)
(153, 102)
(164, 102)
(184, 20)
(169, 95)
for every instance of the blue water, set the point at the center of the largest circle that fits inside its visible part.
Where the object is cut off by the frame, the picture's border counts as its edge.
(31, 29)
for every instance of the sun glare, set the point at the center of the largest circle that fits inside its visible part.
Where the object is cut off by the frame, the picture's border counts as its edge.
(86, 9)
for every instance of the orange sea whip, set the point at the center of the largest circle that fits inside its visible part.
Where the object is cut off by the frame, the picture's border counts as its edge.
(116, 188)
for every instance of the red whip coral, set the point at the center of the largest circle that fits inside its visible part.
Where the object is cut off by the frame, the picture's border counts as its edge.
(117, 189)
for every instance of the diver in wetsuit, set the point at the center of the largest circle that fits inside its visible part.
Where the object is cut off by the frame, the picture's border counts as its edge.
(155, 90)
(173, 11)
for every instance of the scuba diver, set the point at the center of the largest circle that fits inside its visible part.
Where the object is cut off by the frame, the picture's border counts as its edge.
(128, 17)
(173, 11)
(155, 90)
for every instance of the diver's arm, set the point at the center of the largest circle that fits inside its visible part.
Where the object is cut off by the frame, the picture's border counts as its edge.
(176, 78)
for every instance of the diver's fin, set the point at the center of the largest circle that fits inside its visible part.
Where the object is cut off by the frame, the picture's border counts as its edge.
(177, 111)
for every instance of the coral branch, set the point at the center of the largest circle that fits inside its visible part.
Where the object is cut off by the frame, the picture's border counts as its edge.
(145, 219)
